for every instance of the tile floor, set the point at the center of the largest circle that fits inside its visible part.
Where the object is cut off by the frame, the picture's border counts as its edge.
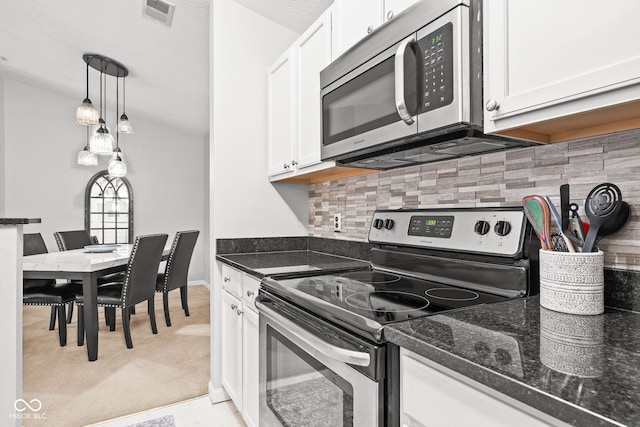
(194, 412)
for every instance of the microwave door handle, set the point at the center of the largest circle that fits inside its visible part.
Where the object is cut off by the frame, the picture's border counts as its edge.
(401, 105)
(341, 354)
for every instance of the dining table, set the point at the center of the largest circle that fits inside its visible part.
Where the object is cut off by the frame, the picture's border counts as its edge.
(85, 264)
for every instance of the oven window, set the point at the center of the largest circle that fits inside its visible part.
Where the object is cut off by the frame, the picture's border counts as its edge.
(302, 391)
(367, 101)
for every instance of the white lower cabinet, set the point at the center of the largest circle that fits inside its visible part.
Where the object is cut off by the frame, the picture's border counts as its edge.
(240, 342)
(432, 395)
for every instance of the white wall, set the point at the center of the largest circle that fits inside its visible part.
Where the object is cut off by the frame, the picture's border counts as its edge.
(2, 162)
(167, 170)
(244, 203)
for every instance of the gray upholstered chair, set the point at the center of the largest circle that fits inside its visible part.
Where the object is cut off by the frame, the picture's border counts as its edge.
(47, 291)
(137, 286)
(176, 270)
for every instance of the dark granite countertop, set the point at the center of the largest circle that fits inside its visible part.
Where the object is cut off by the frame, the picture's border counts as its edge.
(261, 264)
(15, 221)
(583, 370)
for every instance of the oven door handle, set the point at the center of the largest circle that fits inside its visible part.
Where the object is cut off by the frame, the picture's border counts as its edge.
(401, 105)
(343, 355)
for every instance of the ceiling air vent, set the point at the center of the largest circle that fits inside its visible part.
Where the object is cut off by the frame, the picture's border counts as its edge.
(158, 10)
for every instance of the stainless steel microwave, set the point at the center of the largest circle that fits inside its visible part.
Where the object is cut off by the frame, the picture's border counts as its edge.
(410, 92)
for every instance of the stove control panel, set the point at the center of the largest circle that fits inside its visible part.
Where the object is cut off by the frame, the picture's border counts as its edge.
(495, 231)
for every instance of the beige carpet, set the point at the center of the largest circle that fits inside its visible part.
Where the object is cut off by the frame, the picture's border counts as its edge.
(159, 370)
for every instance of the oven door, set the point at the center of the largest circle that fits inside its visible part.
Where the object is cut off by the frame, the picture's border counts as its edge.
(307, 381)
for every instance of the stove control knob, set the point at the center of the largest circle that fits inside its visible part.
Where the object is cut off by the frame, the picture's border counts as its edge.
(482, 227)
(388, 224)
(378, 223)
(502, 228)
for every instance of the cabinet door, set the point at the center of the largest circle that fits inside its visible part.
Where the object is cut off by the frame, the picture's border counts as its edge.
(250, 363)
(548, 59)
(394, 7)
(232, 347)
(429, 397)
(281, 120)
(313, 53)
(353, 20)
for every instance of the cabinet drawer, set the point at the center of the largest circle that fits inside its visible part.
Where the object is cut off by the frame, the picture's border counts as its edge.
(250, 287)
(232, 281)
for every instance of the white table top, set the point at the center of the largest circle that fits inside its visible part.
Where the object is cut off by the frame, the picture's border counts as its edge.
(79, 260)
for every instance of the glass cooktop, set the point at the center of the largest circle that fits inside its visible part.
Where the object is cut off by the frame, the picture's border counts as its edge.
(368, 300)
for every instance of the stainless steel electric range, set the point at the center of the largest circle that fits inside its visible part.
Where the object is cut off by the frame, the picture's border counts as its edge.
(324, 360)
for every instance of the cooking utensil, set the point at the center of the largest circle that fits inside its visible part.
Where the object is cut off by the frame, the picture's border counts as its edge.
(564, 211)
(616, 223)
(603, 206)
(563, 231)
(537, 211)
(576, 225)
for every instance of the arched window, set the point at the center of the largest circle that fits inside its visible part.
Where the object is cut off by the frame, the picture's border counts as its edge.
(108, 209)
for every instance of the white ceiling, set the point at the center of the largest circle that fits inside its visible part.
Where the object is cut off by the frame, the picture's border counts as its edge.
(43, 42)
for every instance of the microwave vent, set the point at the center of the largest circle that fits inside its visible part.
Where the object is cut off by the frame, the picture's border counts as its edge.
(158, 10)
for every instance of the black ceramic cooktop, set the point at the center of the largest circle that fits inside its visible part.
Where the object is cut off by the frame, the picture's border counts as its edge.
(371, 299)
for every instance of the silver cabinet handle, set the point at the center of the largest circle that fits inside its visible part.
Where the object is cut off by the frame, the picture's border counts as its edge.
(239, 312)
(293, 163)
(233, 306)
(401, 105)
(226, 279)
(337, 353)
(370, 29)
(389, 15)
(492, 105)
(286, 166)
(250, 293)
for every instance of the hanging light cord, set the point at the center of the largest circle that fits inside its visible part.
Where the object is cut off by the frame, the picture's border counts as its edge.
(117, 104)
(101, 97)
(87, 97)
(124, 96)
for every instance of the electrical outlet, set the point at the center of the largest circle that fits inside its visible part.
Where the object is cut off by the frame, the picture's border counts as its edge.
(337, 222)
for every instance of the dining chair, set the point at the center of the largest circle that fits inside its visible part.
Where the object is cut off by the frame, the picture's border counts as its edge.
(137, 286)
(78, 239)
(47, 291)
(176, 270)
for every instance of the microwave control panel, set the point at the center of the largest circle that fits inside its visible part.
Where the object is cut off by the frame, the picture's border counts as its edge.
(437, 54)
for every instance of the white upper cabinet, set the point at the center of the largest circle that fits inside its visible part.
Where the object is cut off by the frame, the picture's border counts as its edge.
(281, 123)
(354, 19)
(313, 52)
(547, 60)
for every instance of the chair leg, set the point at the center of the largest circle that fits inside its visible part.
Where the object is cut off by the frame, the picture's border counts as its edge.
(110, 312)
(132, 309)
(183, 297)
(62, 325)
(52, 318)
(151, 309)
(70, 312)
(80, 325)
(165, 304)
(125, 326)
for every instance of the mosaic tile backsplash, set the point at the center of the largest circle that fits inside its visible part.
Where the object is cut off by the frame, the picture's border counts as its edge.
(497, 179)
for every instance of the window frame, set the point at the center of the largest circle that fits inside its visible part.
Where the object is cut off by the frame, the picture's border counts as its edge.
(87, 204)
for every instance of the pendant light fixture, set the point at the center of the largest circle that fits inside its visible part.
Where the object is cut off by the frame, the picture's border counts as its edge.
(102, 142)
(85, 156)
(86, 113)
(117, 166)
(124, 126)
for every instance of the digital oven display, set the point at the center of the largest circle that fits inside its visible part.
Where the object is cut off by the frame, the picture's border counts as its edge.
(431, 226)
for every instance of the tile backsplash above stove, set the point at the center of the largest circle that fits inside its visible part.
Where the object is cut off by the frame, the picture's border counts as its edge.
(496, 179)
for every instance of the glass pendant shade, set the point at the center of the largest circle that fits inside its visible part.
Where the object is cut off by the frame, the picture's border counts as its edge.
(117, 166)
(102, 142)
(124, 125)
(87, 114)
(87, 158)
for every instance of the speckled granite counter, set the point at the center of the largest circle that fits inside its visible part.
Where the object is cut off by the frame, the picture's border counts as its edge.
(583, 370)
(270, 256)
